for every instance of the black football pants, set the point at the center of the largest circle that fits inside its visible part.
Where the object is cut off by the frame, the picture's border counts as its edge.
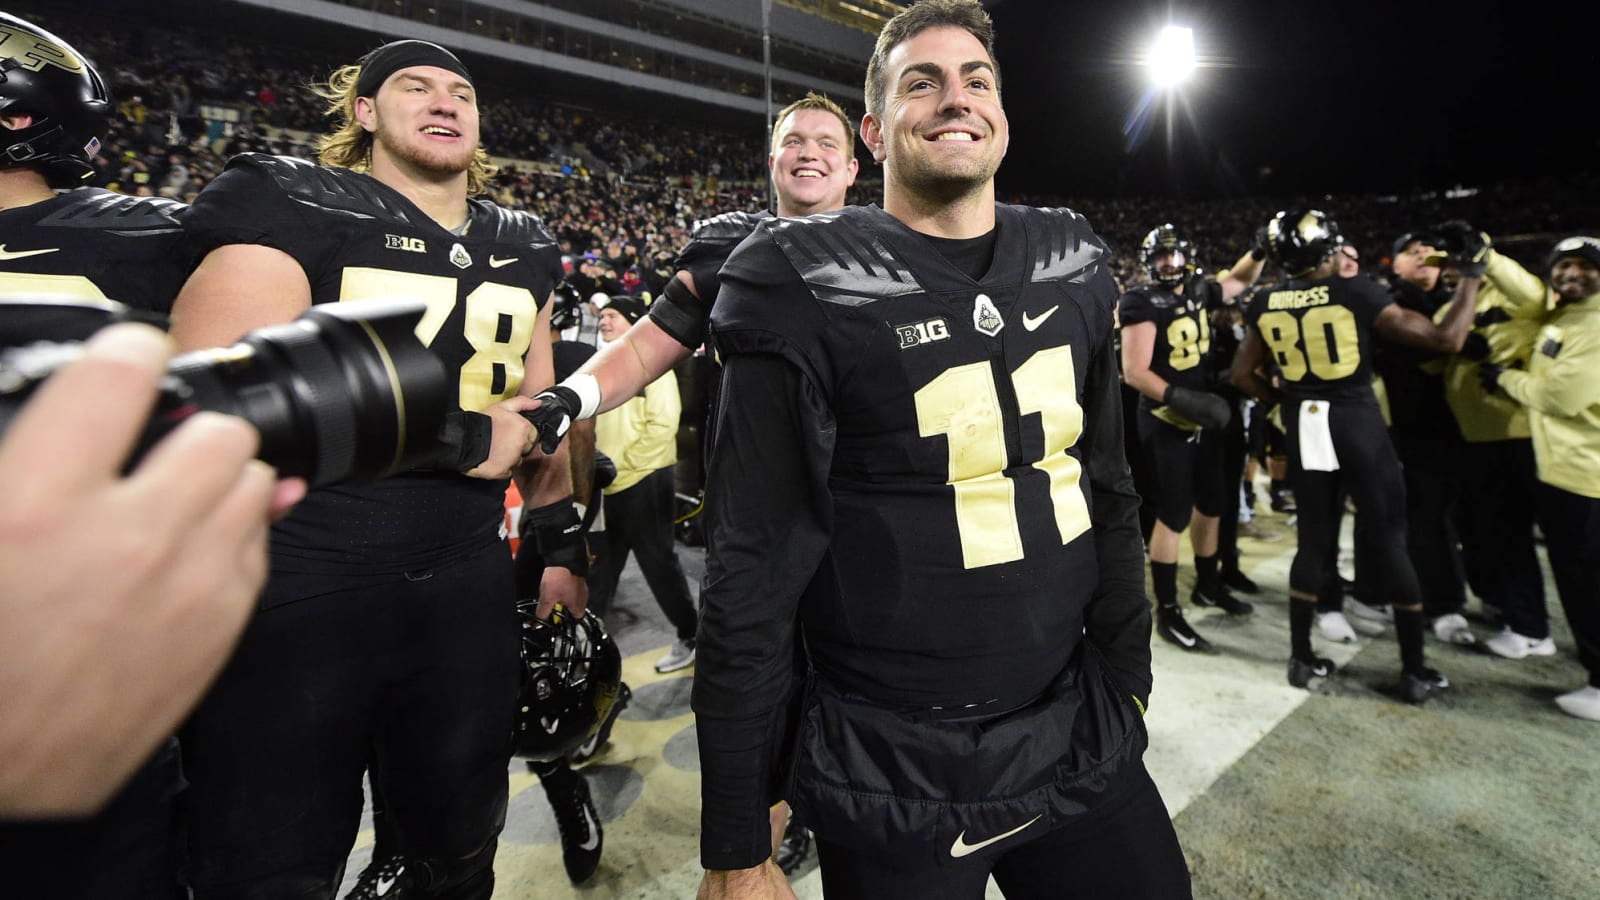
(1433, 485)
(1369, 471)
(1571, 526)
(415, 673)
(1126, 850)
(1499, 487)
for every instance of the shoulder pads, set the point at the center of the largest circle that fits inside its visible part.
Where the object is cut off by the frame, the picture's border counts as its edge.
(108, 211)
(842, 259)
(327, 187)
(512, 226)
(1065, 247)
(729, 226)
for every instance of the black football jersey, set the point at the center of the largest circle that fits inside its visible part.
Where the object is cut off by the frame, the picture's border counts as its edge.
(709, 244)
(1320, 335)
(93, 244)
(357, 238)
(960, 521)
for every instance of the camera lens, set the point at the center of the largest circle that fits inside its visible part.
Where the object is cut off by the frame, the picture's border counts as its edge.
(344, 393)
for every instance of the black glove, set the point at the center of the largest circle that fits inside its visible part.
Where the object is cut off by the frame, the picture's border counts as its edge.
(1475, 347)
(1489, 376)
(605, 470)
(1199, 407)
(1468, 248)
(1258, 250)
(558, 406)
(1491, 317)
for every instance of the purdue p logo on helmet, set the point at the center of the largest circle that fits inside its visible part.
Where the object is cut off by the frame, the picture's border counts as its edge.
(44, 77)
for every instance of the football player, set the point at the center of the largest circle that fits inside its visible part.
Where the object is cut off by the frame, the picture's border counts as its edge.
(1319, 327)
(918, 405)
(388, 629)
(812, 163)
(61, 240)
(1166, 341)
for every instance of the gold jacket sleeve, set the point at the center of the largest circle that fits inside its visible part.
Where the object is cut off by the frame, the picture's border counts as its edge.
(1561, 389)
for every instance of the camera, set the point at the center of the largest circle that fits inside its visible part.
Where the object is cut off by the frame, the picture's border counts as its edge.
(344, 393)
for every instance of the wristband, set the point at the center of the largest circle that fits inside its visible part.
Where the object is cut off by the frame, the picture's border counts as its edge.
(465, 438)
(558, 536)
(587, 389)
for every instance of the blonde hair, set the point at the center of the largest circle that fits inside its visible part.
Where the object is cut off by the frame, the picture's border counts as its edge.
(814, 100)
(350, 146)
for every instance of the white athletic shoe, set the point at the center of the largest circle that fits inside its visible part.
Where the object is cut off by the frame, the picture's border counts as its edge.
(679, 656)
(1519, 646)
(1583, 703)
(1335, 627)
(1452, 629)
(1371, 613)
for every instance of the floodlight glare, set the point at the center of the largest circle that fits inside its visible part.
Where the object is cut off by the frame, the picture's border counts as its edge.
(1172, 56)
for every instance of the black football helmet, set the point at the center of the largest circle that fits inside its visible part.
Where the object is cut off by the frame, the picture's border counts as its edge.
(569, 302)
(43, 76)
(1299, 240)
(571, 676)
(1165, 238)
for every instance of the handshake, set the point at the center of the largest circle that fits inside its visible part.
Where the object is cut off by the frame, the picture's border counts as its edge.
(1462, 247)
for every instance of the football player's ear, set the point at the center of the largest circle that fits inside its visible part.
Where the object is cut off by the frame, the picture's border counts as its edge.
(872, 136)
(366, 113)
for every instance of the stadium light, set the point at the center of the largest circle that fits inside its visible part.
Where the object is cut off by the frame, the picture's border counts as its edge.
(1171, 58)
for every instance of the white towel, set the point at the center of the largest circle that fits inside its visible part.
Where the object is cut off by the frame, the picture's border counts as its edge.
(1316, 442)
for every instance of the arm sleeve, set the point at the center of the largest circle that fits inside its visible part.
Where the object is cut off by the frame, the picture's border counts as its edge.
(769, 521)
(1568, 385)
(1117, 620)
(1525, 293)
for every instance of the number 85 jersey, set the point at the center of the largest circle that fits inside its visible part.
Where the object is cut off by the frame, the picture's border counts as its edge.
(959, 478)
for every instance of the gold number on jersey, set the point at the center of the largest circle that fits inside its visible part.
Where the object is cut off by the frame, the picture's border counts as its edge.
(1331, 341)
(75, 286)
(1190, 339)
(963, 405)
(484, 309)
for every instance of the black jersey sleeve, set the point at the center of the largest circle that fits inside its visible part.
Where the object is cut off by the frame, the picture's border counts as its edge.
(1117, 619)
(708, 248)
(1135, 307)
(246, 204)
(768, 512)
(766, 307)
(1367, 298)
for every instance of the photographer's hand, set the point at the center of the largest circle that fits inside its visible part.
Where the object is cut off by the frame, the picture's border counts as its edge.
(120, 597)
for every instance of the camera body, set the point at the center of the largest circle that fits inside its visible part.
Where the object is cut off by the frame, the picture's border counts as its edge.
(344, 393)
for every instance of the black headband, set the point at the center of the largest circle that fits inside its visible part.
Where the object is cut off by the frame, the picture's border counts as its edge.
(377, 66)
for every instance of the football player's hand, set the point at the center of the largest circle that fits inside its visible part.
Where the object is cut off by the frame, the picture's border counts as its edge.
(1475, 347)
(1466, 248)
(1489, 376)
(1203, 409)
(1259, 249)
(120, 596)
(763, 882)
(560, 585)
(553, 415)
(513, 438)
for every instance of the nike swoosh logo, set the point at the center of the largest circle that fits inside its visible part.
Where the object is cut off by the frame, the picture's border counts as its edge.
(23, 254)
(594, 831)
(550, 726)
(497, 263)
(961, 848)
(385, 883)
(1186, 641)
(1030, 322)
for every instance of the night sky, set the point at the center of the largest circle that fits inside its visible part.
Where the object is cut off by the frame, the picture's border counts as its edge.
(1330, 97)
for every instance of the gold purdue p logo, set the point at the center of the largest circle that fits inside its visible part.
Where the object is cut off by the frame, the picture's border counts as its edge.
(33, 52)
